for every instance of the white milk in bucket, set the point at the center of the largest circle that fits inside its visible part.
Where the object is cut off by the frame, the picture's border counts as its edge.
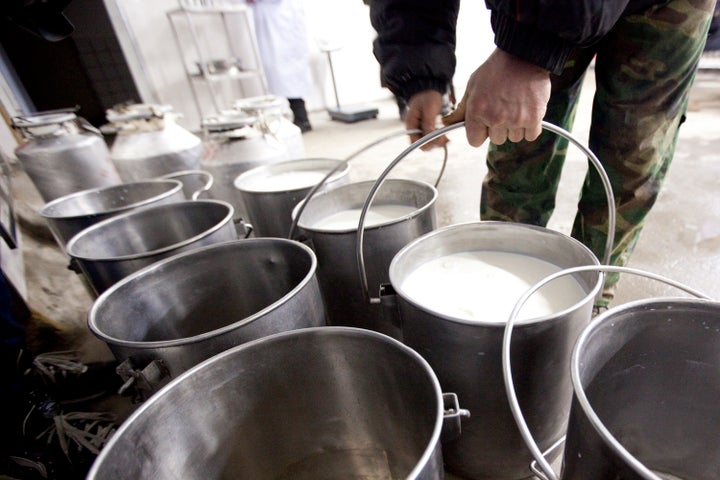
(271, 192)
(465, 347)
(284, 181)
(403, 211)
(376, 215)
(485, 285)
(466, 354)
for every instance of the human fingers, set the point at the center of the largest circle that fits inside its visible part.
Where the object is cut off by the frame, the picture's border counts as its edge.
(456, 116)
(439, 142)
(475, 129)
(422, 114)
(476, 133)
(498, 135)
(423, 128)
(506, 100)
(532, 133)
(516, 134)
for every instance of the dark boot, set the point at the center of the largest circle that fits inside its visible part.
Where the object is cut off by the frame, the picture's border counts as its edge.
(300, 116)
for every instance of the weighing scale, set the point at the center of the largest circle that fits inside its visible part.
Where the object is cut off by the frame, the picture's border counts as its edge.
(347, 114)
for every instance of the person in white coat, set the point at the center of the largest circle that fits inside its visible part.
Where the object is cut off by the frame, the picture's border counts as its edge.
(281, 31)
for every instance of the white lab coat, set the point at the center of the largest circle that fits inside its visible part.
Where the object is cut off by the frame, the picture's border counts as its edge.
(281, 31)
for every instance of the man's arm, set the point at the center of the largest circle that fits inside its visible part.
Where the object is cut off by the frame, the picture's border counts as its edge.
(415, 44)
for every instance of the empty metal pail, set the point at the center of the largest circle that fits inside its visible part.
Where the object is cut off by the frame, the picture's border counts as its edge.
(68, 215)
(186, 308)
(318, 403)
(112, 249)
(466, 354)
(271, 192)
(646, 377)
(330, 223)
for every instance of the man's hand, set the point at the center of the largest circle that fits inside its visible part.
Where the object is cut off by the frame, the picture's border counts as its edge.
(423, 110)
(505, 99)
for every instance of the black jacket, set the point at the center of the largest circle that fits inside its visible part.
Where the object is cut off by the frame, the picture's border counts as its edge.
(415, 44)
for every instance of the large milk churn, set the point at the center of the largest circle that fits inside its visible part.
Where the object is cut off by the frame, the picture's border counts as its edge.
(149, 143)
(255, 133)
(63, 153)
(273, 120)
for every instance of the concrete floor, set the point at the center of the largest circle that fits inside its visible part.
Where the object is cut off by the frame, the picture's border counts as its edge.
(681, 239)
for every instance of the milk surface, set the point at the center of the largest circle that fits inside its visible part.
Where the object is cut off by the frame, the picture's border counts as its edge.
(349, 219)
(485, 285)
(285, 181)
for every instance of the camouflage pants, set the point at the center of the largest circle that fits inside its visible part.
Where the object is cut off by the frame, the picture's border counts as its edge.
(644, 69)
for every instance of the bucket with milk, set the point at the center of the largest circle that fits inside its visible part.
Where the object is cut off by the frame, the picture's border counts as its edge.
(404, 210)
(328, 221)
(645, 389)
(453, 290)
(270, 192)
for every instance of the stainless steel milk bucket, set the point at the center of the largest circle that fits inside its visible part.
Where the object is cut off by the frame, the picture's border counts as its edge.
(466, 355)
(318, 403)
(646, 378)
(68, 215)
(271, 192)
(63, 154)
(186, 308)
(112, 249)
(337, 267)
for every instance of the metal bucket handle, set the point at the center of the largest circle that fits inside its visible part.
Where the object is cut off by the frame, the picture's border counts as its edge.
(546, 472)
(452, 417)
(243, 228)
(442, 131)
(201, 173)
(342, 164)
(141, 384)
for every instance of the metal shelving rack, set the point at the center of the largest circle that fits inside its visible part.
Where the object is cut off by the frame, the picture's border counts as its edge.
(229, 65)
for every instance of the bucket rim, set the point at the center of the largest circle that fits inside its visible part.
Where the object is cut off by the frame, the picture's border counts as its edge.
(484, 323)
(204, 250)
(46, 210)
(423, 460)
(335, 191)
(71, 244)
(579, 389)
(259, 170)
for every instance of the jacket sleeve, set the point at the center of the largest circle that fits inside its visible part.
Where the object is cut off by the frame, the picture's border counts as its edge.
(544, 32)
(415, 43)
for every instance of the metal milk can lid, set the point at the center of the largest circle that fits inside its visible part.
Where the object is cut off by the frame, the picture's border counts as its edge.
(51, 122)
(270, 110)
(139, 117)
(228, 121)
(136, 111)
(263, 105)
